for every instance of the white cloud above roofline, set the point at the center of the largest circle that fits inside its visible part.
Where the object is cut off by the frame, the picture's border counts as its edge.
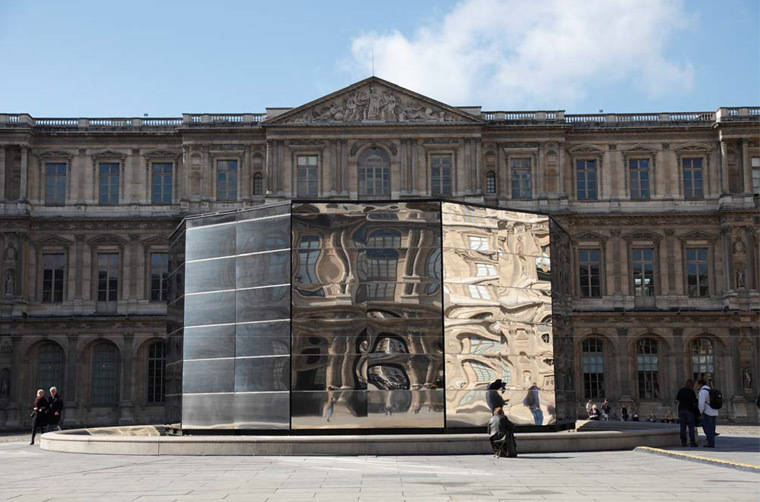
(520, 54)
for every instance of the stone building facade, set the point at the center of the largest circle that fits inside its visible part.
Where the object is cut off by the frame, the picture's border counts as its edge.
(662, 211)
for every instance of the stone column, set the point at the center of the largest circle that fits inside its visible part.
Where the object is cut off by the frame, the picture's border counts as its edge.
(616, 265)
(724, 188)
(746, 166)
(126, 406)
(18, 399)
(69, 391)
(680, 375)
(624, 376)
(670, 262)
(24, 172)
(2, 172)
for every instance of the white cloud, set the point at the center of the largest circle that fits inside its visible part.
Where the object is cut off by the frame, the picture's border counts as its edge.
(521, 54)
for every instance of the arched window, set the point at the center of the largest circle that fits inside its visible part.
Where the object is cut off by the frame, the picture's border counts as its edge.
(593, 368)
(50, 366)
(702, 359)
(105, 364)
(490, 182)
(648, 368)
(374, 172)
(156, 371)
(258, 184)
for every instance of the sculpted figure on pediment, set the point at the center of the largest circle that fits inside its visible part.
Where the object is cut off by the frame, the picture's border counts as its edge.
(373, 104)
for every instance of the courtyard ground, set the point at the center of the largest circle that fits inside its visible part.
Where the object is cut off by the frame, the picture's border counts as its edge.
(30, 474)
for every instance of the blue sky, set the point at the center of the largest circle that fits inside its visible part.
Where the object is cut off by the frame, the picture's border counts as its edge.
(166, 57)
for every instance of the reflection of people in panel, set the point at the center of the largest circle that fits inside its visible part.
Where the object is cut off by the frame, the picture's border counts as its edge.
(533, 403)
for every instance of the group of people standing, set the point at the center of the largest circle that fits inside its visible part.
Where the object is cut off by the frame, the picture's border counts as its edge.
(47, 411)
(693, 408)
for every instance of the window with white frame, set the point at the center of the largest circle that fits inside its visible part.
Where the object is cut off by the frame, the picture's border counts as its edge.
(307, 173)
(585, 179)
(478, 242)
(485, 270)
(638, 170)
(479, 292)
(692, 178)
(108, 183)
(440, 174)
(226, 180)
(521, 178)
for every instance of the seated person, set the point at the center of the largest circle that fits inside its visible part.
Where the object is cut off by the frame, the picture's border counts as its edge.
(499, 427)
(594, 414)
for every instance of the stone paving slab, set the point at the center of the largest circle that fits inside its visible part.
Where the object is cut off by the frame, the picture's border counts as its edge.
(586, 476)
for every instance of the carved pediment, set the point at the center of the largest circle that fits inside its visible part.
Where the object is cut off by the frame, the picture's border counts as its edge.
(55, 154)
(156, 154)
(697, 235)
(372, 101)
(108, 154)
(53, 240)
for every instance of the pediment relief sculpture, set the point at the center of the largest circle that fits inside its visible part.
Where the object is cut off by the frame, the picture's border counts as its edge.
(375, 103)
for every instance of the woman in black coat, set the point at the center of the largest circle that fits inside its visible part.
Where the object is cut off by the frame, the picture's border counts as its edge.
(39, 414)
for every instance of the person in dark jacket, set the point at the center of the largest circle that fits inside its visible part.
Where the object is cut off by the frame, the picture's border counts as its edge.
(493, 396)
(499, 427)
(688, 412)
(39, 415)
(55, 409)
(533, 403)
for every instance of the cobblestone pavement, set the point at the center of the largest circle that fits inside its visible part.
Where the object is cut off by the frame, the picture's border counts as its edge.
(30, 474)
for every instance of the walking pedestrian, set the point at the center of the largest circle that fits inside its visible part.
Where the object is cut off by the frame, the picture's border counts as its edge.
(534, 404)
(39, 415)
(688, 411)
(708, 413)
(606, 409)
(55, 408)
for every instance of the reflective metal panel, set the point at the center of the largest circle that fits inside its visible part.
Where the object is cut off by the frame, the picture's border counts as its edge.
(498, 314)
(208, 411)
(366, 313)
(261, 410)
(262, 373)
(208, 375)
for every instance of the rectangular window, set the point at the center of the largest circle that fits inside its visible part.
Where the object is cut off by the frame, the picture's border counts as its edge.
(692, 178)
(756, 175)
(108, 277)
(52, 277)
(159, 272)
(642, 266)
(639, 175)
(696, 272)
(588, 264)
(648, 370)
(479, 292)
(440, 174)
(478, 243)
(226, 180)
(521, 184)
(162, 183)
(593, 369)
(485, 270)
(55, 183)
(585, 179)
(109, 183)
(306, 173)
(308, 252)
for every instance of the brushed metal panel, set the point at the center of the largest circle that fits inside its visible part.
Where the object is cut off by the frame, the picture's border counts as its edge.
(399, 409)
(208, 375)
(210, 275)
(262, 269)
(335, 409)
(210, 242)
(261, 410)
(208, 411)
(258, 374)
(211, 308)
(262, 338)
(209, 342)
(263, 304)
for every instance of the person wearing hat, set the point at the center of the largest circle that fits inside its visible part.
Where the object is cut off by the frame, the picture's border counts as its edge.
(493, 397)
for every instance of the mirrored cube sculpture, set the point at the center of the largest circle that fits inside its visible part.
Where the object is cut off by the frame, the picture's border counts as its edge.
(368, 315)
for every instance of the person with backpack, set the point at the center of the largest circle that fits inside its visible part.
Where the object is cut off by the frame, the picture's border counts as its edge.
(710, 400)
(532, 402)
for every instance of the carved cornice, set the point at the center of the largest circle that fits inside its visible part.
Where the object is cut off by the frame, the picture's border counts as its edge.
(639, 220)
(162, 154)
(108, 154)
(54, 154)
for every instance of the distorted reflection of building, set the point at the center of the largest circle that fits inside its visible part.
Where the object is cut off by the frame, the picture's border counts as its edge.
(498, 309)
(379, 292)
